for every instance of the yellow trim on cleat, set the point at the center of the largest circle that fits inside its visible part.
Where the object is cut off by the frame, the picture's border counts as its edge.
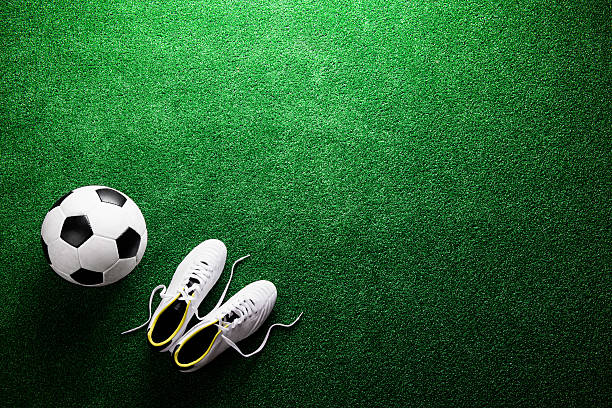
(203, 355)
(177, 329)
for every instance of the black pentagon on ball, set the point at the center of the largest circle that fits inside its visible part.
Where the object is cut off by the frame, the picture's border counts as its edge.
(62, 198)
(45, 250)
(108, 195)
(76, 230)
(128, 243)
(87, 277)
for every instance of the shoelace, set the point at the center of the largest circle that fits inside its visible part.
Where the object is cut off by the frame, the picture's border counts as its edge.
(192, 283)
(197, 272)
(243, 310)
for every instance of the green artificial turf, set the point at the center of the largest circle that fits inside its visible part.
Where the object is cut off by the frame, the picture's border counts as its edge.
(429, 182)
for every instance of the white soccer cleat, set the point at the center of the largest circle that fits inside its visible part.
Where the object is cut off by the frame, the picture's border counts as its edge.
(223, 327)
(193, 279)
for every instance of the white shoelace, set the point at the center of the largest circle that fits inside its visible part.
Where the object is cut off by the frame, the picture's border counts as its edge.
(243, 310)
(199, 272)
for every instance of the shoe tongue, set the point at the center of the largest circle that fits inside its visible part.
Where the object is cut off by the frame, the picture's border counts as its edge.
(178, 306)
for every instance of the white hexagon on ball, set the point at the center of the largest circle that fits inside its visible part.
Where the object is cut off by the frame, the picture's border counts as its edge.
(79, 202)
(64, 257)
(143, 245)
(121, 268)
(60, 273)
(108, 220)
(98, 254)
(52, 225)
(134, 217)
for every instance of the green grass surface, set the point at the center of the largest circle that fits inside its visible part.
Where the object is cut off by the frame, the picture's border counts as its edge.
(430, 182)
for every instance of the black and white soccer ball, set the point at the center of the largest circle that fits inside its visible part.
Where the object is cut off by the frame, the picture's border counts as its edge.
(94, 236)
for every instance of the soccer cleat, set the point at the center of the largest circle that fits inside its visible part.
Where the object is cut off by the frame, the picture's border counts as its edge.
(223, 327)
(194, 278)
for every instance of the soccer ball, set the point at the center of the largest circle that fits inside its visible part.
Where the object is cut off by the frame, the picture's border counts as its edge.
(94, 236)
